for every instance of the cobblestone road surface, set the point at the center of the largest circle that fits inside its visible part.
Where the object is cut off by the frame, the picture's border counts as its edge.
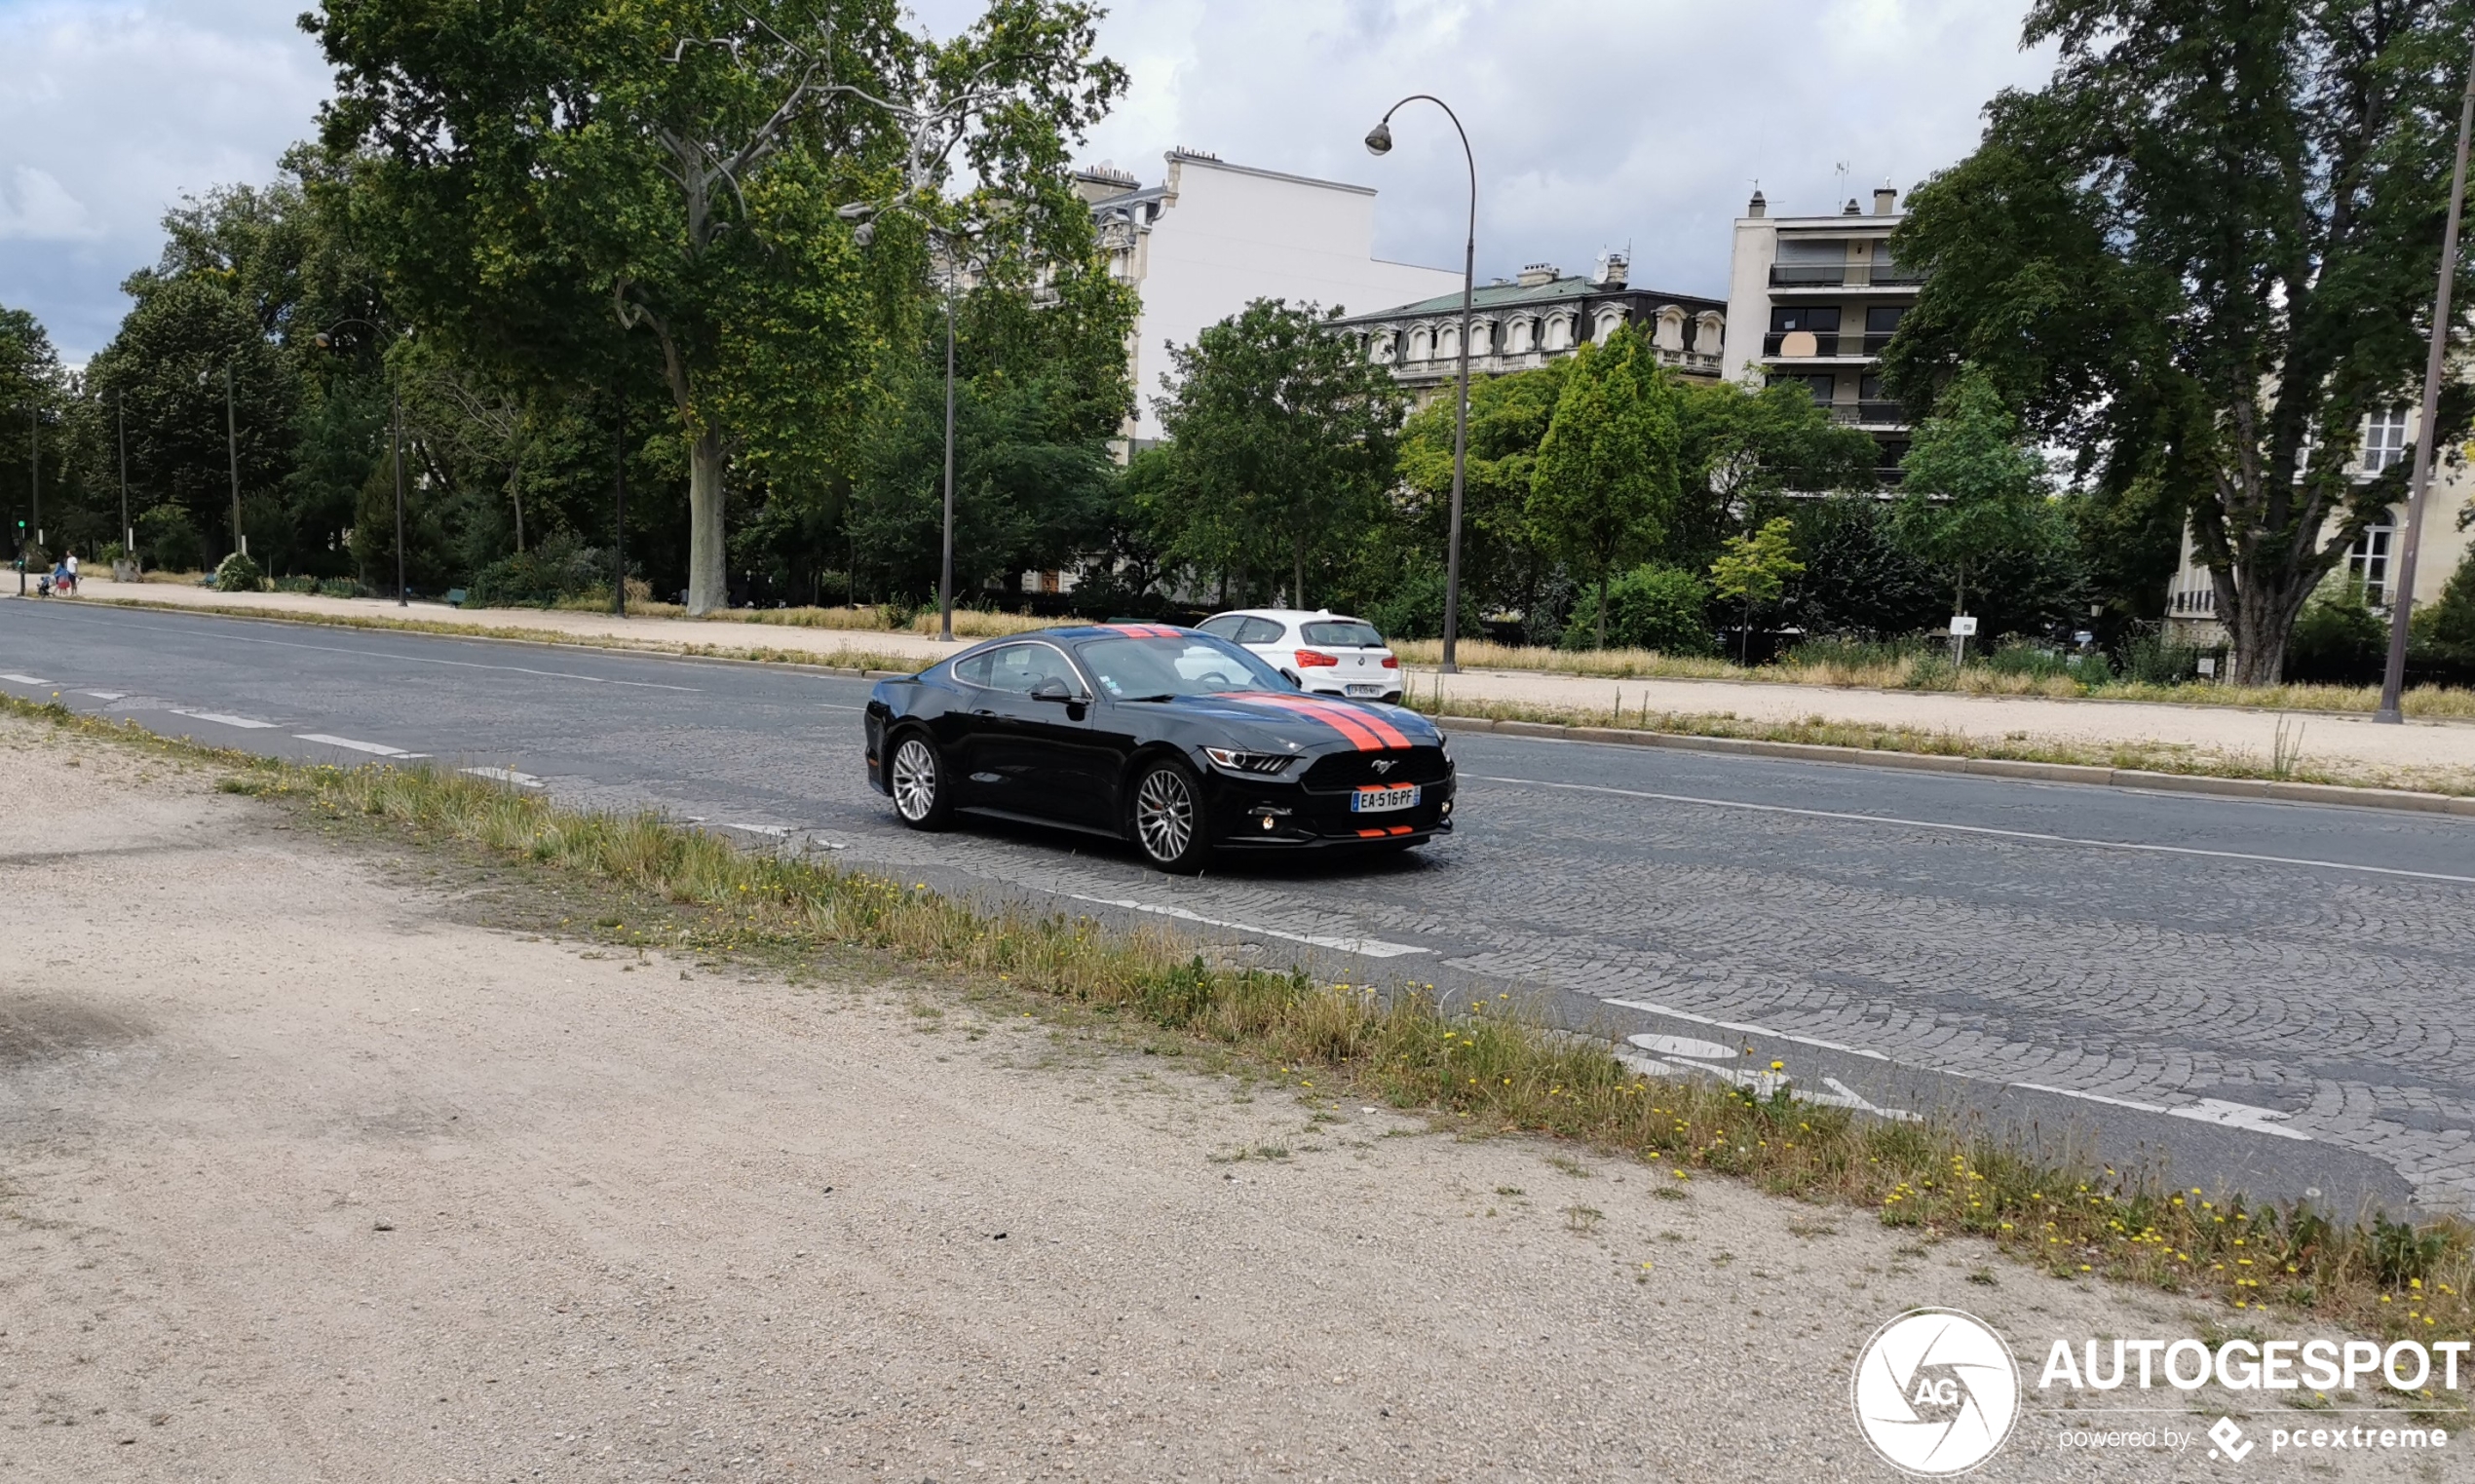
(2271, 993)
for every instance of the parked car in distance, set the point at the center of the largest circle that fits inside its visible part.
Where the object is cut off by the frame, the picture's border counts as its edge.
(1324, 653)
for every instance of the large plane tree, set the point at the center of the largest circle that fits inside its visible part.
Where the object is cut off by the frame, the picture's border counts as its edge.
(2202, 255)
(541, 168)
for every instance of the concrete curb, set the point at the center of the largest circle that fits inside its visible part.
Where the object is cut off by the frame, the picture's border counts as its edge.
(2269, 790)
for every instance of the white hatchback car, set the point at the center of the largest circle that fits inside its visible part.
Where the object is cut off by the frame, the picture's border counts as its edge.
(1327, 653)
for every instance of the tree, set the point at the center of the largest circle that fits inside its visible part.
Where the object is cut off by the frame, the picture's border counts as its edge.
(33, 390)
(680, 163)
(1605, 484)
(1754, 568)
(1857, 578)
(1288, 439)
(1738, 447)
(1505, 563)
(2200, 256)
(1970, 493)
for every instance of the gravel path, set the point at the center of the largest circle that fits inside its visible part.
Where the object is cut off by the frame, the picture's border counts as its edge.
(304, 1176)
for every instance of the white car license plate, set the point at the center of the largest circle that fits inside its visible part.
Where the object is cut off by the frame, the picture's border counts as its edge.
(1372, 797)
(1367, 690)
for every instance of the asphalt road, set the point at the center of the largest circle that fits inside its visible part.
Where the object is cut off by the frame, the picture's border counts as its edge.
(2266, 994)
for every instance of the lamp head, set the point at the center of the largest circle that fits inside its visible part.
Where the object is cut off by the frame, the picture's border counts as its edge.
(864, 232)
(1378, 139)
(325, 341)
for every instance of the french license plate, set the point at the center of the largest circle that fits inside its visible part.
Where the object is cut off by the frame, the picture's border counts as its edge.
(1367, 690)
(1373, 797)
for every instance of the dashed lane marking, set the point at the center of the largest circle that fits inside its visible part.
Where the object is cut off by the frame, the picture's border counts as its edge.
(222, 719)
(1977, 829)
(504, 776)
(1372, 948)
(376, 750)
(106, 695)
(25, 679)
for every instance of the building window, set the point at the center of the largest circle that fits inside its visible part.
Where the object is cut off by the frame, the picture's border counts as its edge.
(1559, 333)
(1448, 343)
(2368, 562)
(1382, 350)
(1522, 332)
(2383, 438)
(1418, 345)
(1609, 322)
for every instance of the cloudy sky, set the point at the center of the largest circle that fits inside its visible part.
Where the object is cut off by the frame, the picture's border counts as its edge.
(1597, 122)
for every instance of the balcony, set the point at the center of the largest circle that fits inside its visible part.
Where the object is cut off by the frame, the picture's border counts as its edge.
(1826, 342)
(1870, 414)
(1808, 275)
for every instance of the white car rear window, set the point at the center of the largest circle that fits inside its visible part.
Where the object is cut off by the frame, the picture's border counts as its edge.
(1343, 634)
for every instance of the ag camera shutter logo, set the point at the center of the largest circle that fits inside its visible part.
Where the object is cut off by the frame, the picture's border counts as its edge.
(1935, 1391)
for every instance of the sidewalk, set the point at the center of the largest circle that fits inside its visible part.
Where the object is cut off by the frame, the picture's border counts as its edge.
(2325, 739)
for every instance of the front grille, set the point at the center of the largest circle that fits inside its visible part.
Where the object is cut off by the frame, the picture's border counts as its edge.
(1349, 769)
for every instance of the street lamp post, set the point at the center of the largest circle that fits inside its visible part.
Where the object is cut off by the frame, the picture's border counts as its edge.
(395, 441)
(1379, 142)
(864, 214)
(232, 447)
(128, 532)
(2393, 679)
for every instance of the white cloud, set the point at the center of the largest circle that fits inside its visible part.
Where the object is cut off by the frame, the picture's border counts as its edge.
(1596, 124)
(110, 112)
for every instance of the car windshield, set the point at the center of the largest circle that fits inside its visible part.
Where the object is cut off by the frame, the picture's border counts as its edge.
(1175, 665)
(1343, 634)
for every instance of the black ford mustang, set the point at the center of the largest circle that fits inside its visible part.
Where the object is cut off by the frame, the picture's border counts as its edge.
(1175, 739)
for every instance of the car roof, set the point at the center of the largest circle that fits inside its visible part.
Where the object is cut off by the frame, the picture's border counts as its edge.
(1290, 615)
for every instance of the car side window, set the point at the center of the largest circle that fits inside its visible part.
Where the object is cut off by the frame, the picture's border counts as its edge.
(972, 669)
(1225, 626)
(1261, 632)
(1017, 667)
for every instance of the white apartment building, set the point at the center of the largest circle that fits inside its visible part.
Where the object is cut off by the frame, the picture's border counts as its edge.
(2191, 617)
(1213, 236)
(1814, 299)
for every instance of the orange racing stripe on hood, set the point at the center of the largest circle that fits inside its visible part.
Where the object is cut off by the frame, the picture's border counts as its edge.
(1351, 725)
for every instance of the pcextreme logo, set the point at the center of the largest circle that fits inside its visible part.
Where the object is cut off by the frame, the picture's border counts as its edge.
(1935, 1391)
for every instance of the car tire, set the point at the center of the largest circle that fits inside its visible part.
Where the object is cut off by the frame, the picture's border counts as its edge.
(917, 777)
(1166, 817)
(1391, 697)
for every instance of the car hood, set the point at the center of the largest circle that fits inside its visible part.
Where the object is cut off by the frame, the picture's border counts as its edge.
(1311, 720)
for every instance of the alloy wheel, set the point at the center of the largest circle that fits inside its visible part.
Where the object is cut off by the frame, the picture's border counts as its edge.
(914, 780)
(1165, 814)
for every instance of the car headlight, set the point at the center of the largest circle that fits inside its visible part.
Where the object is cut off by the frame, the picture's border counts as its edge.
(1238, 760)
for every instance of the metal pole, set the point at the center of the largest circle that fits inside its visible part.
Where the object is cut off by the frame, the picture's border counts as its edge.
(946, 583)
(34, 463)
(232, 445)
(1461, 402)
(128, 532)
(2393, 680)
(395, 416)
(619, 512)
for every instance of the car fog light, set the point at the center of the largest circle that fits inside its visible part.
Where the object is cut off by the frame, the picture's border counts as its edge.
(1267, 821)
(1447, 809)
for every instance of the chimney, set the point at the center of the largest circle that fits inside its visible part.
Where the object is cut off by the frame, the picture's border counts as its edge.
(1885, 201)
(1535, 273)
(1756, 206)
(1611, 269)
(1849, 209)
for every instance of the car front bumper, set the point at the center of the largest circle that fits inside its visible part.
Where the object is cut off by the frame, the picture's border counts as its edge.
(1245, 814)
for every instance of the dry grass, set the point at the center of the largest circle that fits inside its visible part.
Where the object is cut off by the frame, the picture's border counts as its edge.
(1909, 672)
(2146, 757)
(1490, 1071)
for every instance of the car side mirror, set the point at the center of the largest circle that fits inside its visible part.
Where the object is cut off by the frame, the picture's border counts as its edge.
(1050, 688)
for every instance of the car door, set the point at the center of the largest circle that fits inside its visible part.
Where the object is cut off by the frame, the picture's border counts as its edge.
(1032, 751)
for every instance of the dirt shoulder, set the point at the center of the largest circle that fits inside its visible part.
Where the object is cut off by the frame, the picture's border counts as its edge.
(305, 1174)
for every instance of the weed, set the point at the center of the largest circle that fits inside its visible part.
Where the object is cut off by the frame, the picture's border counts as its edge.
(1583, 1219)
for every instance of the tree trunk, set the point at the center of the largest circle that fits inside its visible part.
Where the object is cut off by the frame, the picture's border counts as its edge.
(2257, 623)
(516, 497)
(1298, 557)
(1602, 610)
(708, 580)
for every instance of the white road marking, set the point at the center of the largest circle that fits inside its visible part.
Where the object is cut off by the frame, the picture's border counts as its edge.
(2207, 1110)
(2212, 1109)
(379, 750)
(1682, 1046)
(776, 830)
(25, 679)
(1978, 829)
(504, 776)
(1372, 948)
(221, 719)
(106, 695)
